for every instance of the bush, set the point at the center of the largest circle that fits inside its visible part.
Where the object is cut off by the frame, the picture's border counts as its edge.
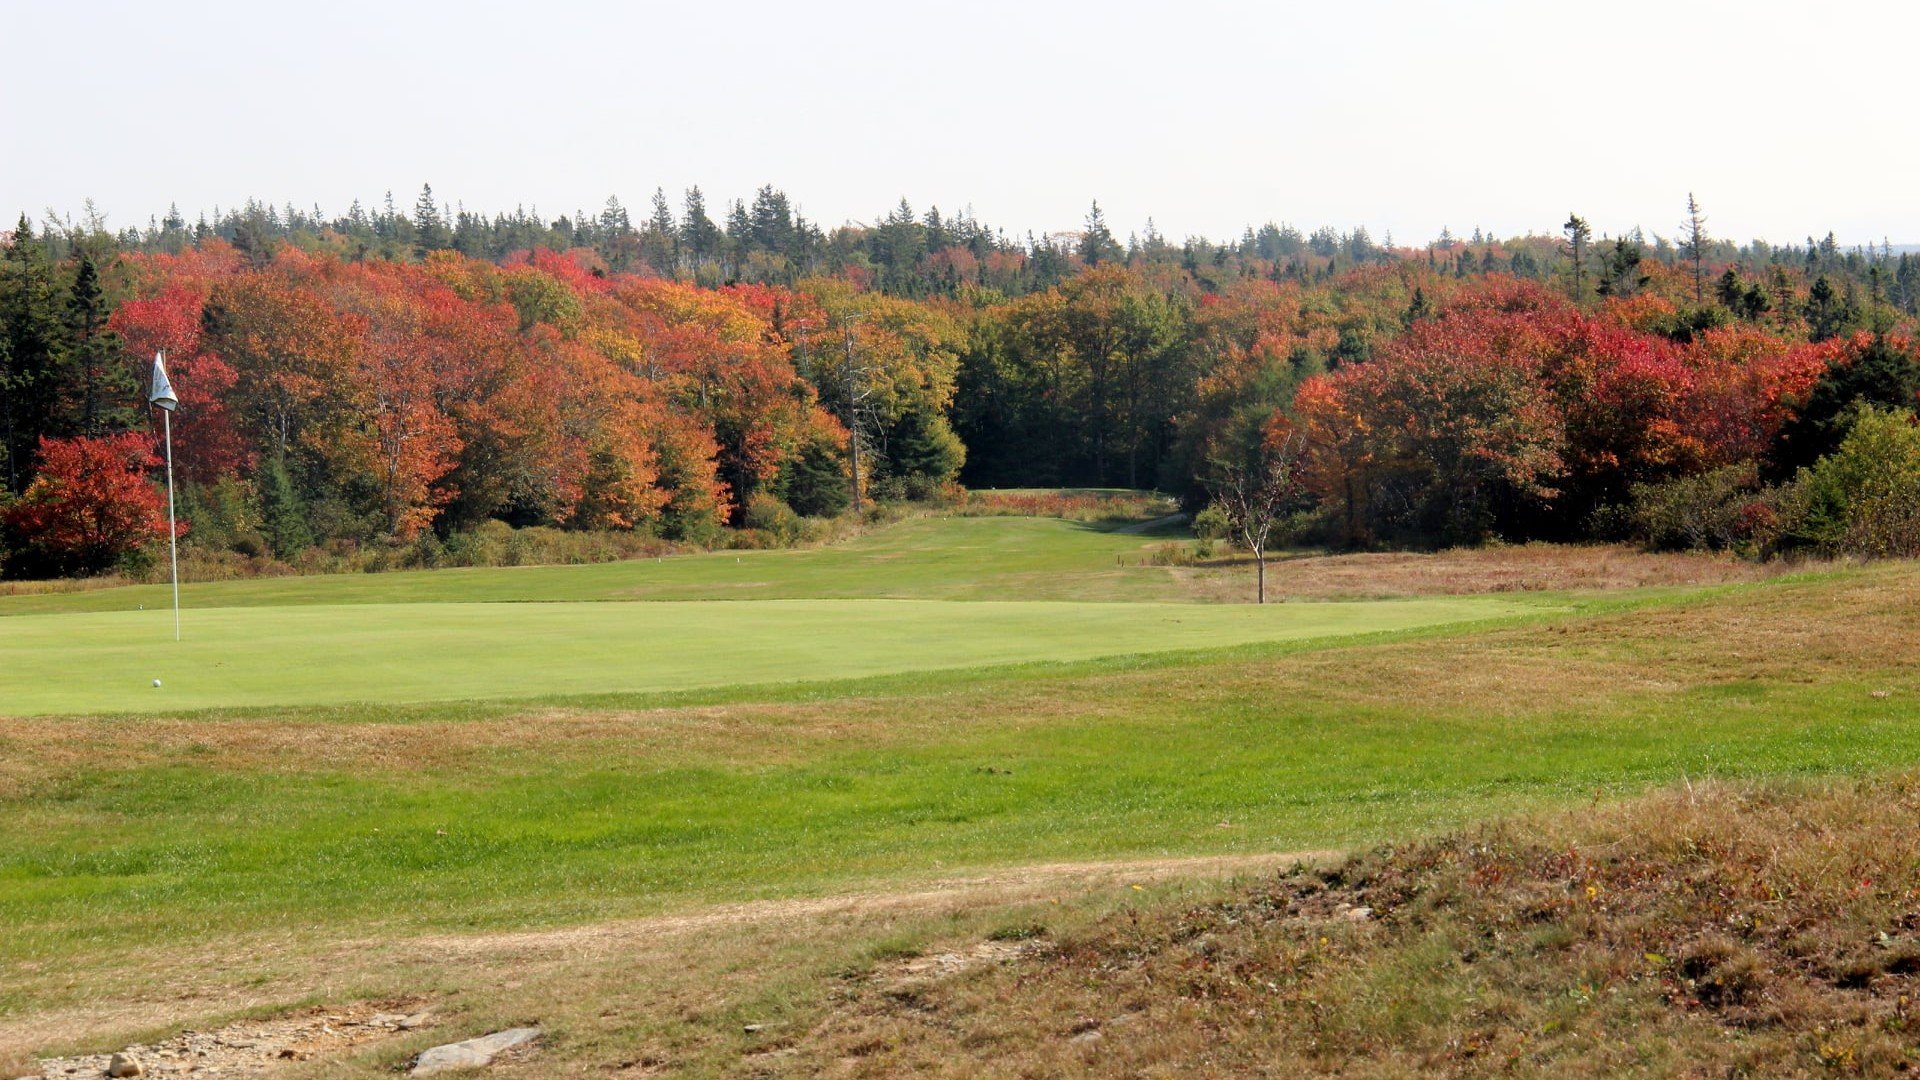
(1711, 511)
(1212, 524)
(752, 540)
(1071, 504)
(769, 515)
(1864, 498)
(887, 489)
(483, 545)
(225, 516)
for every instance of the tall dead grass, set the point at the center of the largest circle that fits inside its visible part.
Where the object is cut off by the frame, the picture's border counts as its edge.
(1711, 930)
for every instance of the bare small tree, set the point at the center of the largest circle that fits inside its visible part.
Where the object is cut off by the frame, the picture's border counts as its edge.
(852, 379)
(1254, 493)
(1694, 244)
(857, 378)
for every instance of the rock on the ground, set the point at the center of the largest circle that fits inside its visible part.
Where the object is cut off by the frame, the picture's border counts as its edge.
(125, 1065)
(472, 1053)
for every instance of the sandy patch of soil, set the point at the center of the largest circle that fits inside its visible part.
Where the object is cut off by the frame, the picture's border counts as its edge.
(255, 1047)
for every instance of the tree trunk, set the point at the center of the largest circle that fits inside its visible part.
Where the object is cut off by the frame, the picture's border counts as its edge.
(1260, 560)
(853, 454)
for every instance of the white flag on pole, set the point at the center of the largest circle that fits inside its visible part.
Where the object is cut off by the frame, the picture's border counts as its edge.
(162, 392)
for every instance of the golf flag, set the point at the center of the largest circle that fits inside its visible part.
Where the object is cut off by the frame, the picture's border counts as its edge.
(162, 392)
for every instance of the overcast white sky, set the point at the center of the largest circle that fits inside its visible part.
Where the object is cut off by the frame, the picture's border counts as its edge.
(1402, 115)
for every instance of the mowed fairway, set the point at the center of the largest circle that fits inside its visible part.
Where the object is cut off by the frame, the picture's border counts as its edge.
(390, 653)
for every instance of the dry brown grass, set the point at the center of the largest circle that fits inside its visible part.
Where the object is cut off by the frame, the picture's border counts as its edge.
(1069, 503)
(1712, 931)
(688, 973)
(1469, 571)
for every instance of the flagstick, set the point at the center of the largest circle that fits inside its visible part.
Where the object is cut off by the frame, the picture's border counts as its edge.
(173, 532)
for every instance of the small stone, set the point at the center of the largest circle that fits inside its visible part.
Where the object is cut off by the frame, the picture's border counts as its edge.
(125, 1065)
(1358, 914)
(473, 1053)
(1882, 695)
(416, 1020)
(1087, 1038)
(753, 1029)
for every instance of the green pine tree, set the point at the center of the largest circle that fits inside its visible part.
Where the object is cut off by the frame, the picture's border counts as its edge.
(283, 514)
(430, 230)
(31, 319)
(100, 389)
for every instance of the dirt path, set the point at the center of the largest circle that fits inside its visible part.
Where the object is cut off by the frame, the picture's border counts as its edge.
(1002, 886)
(204, 993)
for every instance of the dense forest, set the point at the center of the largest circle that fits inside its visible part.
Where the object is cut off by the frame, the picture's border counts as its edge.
(404, 383)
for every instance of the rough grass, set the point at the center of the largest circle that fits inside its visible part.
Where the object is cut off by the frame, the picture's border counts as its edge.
(1073, 504)
(1528, 568)
(1711, 930)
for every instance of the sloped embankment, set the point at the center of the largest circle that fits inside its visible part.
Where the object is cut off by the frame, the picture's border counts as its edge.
(1707, 931)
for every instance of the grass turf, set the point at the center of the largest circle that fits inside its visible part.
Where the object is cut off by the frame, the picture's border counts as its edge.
(932, 558)
(310, 655)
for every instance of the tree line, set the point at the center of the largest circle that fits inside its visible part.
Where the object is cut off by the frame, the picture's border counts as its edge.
(376, 379)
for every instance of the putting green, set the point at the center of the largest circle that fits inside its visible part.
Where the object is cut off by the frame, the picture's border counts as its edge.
(105, 662)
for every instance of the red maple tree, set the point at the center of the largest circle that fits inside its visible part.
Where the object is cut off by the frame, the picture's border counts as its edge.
(91, 504)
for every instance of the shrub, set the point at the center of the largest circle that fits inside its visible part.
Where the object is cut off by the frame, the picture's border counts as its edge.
(1212, 524)
(752, 540)
(1864, 498)
(769, 515)
(1073, 505)
(886, 489)
(483, 545)
(225, 516)
(1710, 511)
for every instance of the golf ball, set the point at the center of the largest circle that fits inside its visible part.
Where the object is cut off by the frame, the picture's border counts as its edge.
(156, 682)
